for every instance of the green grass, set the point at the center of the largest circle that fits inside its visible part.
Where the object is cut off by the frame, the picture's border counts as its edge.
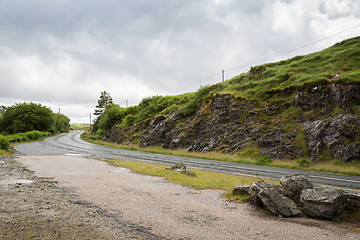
(79, 126)
(201, 180)
(248, 155)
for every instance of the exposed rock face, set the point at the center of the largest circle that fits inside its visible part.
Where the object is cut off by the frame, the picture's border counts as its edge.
(229, 124)
(277, 203)
(294, 184)
(329, 94)
(332, 135)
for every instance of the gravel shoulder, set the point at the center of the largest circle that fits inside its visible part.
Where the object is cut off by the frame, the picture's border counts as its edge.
(34, 207)
(68, 197)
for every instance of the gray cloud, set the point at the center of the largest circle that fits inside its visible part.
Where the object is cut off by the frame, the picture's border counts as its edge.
(63, 53)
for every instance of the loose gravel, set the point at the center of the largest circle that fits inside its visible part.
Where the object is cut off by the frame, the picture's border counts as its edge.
(33, 207)
(69, 197)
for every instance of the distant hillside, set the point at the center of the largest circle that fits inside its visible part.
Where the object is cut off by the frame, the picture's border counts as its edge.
(307, 106)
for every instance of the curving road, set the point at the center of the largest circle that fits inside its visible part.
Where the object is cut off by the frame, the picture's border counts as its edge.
(72, 144)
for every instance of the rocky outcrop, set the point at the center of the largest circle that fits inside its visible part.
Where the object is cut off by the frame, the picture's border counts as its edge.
(337, 135)
(228, 124)
(327, 95)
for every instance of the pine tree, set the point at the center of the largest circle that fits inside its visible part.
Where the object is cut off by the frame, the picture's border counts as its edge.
(104, 100)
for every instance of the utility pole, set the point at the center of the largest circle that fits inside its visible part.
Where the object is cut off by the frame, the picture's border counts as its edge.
(90, 122)
(59, 111)
(126, 103)
(223, 75)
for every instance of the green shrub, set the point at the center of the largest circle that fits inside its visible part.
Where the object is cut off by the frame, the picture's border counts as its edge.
(264, 159)
(300, 142)
(304, 162)
(34, 135)
(194, 104)
(325, 156)
(4, 143)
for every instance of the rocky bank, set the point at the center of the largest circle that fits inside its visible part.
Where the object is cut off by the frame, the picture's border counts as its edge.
(310, 122)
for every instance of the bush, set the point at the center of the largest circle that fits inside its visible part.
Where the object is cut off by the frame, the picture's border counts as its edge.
(264, 159)
(34, 135)
(4, 143)
(304, 162)
(27, 117)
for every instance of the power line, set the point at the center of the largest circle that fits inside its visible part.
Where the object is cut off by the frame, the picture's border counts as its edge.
(279, 53)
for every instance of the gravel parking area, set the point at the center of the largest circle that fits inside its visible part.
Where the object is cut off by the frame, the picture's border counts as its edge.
(67, 197)
(33, 207)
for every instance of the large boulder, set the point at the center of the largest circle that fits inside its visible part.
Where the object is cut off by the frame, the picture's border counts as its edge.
(351, 200)
(294, 184)
(323, 202)
(277, 203)
(255, 189)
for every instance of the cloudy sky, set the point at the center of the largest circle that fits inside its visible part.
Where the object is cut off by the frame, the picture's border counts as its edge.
(63, 53)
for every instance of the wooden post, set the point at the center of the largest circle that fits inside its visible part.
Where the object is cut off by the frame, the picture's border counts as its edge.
(223, 75)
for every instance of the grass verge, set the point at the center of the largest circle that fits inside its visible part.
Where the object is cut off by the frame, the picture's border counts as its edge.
(350, 168)
(201, 180)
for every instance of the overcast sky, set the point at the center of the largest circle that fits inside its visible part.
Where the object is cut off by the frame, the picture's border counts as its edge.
(63, 53)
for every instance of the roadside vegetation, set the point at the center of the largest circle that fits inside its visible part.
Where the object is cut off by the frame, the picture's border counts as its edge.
(248, 156)
(201, 180)
(28, 122)
(272, 85)
(79, 126)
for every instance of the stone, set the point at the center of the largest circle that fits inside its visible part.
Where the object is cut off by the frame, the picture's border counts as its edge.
(255, 189)
(181, 168)
(277, 203)
(323, 202)
(294, 184)
(351, 200)
(241, 190)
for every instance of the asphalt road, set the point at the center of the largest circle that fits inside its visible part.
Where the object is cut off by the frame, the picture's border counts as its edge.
(71, 144)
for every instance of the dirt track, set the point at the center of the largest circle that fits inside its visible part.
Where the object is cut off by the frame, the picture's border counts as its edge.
(89, 199)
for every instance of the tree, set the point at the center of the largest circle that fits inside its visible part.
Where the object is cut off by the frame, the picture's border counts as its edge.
(27, 117)
(104, 100)
(62, 122)
(2, 109)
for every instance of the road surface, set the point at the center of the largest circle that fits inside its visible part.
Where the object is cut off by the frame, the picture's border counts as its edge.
(72, 145)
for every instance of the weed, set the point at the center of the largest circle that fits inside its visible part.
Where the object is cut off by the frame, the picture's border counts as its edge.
(264, 159)
(325, 156)
(300, 141)
(304, 162)
(4, 143)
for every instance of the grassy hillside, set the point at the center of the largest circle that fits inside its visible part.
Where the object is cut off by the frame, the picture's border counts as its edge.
(264, 84)
(339, 64)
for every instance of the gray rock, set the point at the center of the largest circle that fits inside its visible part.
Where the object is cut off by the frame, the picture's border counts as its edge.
(277, 203)
(181, 168)
(255, 189)
(294, 184)
(323, 202)
(334, 135)
(240, 190)
(351, 200)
